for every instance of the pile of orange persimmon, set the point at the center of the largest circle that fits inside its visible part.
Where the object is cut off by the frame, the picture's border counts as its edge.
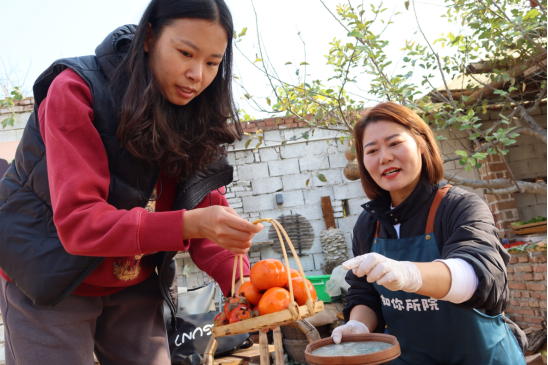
(266, 292)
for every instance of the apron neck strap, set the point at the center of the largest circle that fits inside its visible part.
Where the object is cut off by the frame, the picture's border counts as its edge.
(433, 209)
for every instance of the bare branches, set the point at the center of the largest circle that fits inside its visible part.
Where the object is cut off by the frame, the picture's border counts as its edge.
(494, 186)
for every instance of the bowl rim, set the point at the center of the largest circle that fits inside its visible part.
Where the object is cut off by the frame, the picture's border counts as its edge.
(373, 358)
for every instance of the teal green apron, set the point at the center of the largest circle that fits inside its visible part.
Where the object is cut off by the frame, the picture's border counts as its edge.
(432, 331)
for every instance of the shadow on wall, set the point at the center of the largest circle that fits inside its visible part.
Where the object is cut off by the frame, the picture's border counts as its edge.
(3, 166)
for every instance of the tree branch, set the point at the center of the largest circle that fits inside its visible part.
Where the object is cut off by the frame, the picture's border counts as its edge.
(499, 186)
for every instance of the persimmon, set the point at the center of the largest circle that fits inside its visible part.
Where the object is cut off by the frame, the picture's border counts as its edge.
(295, 273)
(267, 274)
(220, 319)
(232, 302)
(299, 290)
(252, 294)
(274, 300)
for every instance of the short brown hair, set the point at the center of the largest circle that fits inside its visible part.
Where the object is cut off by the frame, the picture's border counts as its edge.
(432, 165)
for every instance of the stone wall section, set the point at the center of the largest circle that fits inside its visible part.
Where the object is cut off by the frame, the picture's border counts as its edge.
(22, 110)
(527, 282)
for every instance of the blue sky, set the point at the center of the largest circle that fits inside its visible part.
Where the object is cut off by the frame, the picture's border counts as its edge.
(36, 33)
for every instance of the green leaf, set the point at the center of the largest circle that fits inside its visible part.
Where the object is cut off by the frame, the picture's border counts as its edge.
(257, 146)
(258, 60)
(506, 77)
(268, 101)
(243, 32)
(462, 162)
(407, 5)
(306, 135)
(478, 165)
(321, 177)
(235, 36)
(356, 34)
(307, 182)
(304, 63)
(289, 63)
(468, 168)
(248, 142)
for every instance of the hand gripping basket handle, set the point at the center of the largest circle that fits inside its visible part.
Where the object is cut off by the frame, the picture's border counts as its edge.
(293, 307)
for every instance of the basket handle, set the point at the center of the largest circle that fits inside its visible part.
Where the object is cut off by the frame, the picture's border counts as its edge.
(293, 306)
(234, 272)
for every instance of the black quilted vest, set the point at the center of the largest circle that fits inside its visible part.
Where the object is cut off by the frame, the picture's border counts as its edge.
(31, 253)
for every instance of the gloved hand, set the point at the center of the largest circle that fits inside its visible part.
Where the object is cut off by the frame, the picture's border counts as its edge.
(393, 275)
(351, 328)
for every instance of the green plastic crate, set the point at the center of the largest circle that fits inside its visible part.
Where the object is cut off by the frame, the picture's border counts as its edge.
(319, 284)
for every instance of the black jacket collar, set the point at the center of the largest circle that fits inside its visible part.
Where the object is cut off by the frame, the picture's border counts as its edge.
(380, 206)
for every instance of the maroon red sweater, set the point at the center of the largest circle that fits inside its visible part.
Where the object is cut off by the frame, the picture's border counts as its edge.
(79, 181)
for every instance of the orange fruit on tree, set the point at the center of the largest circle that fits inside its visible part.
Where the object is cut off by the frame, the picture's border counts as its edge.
(267, 274)
(274, 300)
(250, 293)
(299, 290)
(295, 273)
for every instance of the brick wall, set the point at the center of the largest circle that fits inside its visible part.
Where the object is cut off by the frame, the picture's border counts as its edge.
(527, 282)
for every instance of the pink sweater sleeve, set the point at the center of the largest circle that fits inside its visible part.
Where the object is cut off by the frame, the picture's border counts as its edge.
(211, 258)
(79, 181)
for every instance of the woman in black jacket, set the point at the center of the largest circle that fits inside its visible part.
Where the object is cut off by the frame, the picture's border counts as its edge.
(428, 265)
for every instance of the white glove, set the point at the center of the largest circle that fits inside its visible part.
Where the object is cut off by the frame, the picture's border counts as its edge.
(393, 275)
(351, 328)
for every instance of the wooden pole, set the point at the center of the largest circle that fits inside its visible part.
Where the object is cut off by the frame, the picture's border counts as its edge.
(328, 212)
(210, 351)
(263, 348)
(278, 346)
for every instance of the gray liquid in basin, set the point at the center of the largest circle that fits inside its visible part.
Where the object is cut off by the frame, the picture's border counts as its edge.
(351, 348)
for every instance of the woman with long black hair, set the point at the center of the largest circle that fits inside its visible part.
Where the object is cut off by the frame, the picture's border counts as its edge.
(121, 165)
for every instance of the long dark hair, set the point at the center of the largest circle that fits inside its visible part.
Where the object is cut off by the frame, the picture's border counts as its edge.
(179, 139)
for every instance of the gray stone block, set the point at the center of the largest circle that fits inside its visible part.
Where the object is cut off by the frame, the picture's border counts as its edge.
(246, 159)
(332, 176)
(268, 253)
(319, 259)
(310, 212)
(231, 158)
(234, 200)
(275, 213)
(253, 171)
(337, 160)
(354, 205)
(293, 150)
(262, 235)
(313, 273)
(242, 194)
(283, 167)
(314, 196)
(272, 136)
(296, 182)
(307, 262)
(268, 154)
(314, 163)
(292, 199)
(521, 153)
(347, 224)
(258, 203)
(541, 199)
(338, 215)
(348, 191)
(268, 185)
(525, 200)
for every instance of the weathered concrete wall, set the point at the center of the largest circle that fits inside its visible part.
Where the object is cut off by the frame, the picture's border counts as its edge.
(10, 136)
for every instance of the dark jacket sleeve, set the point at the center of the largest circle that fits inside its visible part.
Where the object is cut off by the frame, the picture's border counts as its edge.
(361, 292)
(467, 228)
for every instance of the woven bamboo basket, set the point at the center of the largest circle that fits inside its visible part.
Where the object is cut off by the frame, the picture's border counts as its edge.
(274, 320)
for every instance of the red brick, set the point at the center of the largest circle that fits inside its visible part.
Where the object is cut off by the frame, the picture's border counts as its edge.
(527, 312)
(510, 269)
(516, 294)
(260, 124)
(508, 213)
(522, 259)
(513, 260)
(270, 121)
(535, 295)
(537, 276)
(518, 318)
(491, 198)
(535, 258)
(543, 258)
(302, 124)
(542, 304)
(529, 277)
(518, 286)
(525, 294)
(523, 303)
(533, 303)
(540, 313)
(537, 320)
(511, 310)
(543, 296)
(499, 166)
(251, 130)
(269, 127)
(528, 319)
(514, 302)
(540, 268)
(523, 268)
(535, 286)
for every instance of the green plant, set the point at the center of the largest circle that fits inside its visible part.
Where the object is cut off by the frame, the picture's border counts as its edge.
(8, 102)
(505, 40)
